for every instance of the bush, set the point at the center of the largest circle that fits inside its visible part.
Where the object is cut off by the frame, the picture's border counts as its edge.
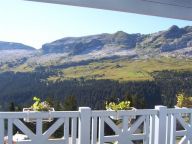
(184, 101)
(124, 105)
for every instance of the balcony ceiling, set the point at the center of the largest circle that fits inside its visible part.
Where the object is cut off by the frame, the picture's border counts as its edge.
(178, 9)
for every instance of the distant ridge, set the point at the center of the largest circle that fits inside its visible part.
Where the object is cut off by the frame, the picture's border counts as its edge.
(173, 42)
(14, 46)
(169, 40)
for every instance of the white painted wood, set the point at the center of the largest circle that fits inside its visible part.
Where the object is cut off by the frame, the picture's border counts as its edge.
(179, 9)
(184, 124)
(138, 136)
(187, 126)
(168, 130)
(10, 131)
(136, 112)
(53, 128)
(101, 130)
(190, 119)
(190, 122)
(136, 124)
(18, 115)
(24, 128)
(177, 114)
(25, 142)
(173, 130)
(178, 111)
(126, 133)
(39, 127)
(180, 133)
(152, 129)
(84, 125)
(160, 125)
(110, 138)
(146, 130)
(2, 129)
(125, 124)
(94, 130)
(183, 140)
(74, 130)
(124, 138)
(112, 125)
(66, 130)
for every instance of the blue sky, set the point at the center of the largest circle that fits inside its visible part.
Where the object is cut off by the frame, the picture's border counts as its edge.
(35, 23)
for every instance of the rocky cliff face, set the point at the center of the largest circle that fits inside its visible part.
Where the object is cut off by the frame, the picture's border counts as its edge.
(82, 45)
(166, 41)
(174, 42)
(174, 38)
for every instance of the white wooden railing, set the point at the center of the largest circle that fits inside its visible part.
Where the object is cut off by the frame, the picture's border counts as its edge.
(147, 126)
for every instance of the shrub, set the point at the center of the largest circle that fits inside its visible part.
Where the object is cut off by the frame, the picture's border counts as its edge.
(40, 106)
(184, 101)
(123, 105)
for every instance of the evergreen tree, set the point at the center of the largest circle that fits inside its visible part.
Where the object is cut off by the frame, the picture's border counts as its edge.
(12, 107)
(70, 103)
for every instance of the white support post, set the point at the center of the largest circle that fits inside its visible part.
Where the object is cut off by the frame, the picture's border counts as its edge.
(147, 129)
(160, 125)
(39, 128)
(152, 129)
(10, 131)
(66, 130)
(173, 129)
(94, 130)
(84, 125)
(101, 130)
(2, 126)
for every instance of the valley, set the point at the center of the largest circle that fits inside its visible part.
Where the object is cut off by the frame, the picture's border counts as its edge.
(148, 69)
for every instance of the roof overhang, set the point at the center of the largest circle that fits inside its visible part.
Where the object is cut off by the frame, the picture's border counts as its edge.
(178, 9)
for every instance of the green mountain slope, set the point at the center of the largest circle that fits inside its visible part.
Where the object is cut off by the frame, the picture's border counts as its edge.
(148, 69)
(123, 69)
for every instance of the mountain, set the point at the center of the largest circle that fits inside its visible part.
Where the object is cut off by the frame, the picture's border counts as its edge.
(14, 46)
(172, 39)
(145, 68)
(13, 54)
(121, 43)
(84, 45)
(174, 42)
(166, 41)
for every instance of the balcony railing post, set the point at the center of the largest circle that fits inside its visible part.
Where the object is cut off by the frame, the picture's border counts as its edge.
(2, 131)
(84, 125)
(160, 125)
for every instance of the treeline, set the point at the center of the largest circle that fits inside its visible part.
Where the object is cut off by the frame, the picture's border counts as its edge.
(171, 83)
(19, 89)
